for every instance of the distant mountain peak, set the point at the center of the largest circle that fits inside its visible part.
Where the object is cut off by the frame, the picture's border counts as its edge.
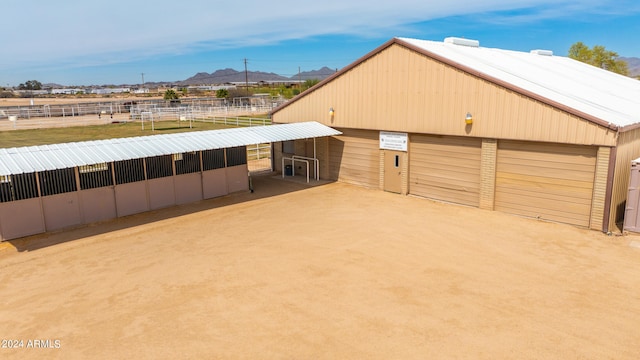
(320, 74)
(229, 75)
(633, 64)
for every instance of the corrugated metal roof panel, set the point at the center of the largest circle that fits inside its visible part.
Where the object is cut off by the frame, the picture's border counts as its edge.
(602, 94)
(59, 156)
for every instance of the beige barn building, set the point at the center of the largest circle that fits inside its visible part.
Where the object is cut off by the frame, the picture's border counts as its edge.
(526, 133)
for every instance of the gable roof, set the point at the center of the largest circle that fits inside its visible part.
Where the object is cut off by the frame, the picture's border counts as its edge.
(597, 95)
(60, 156)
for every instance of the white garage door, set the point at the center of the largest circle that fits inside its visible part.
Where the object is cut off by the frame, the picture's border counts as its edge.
(546, 181)
(445, 168)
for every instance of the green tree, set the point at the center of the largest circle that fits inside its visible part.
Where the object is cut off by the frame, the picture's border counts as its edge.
(170, 94)
(598, 56)
(222, 93)
(31, 85)
(309, 83)
(237, 92)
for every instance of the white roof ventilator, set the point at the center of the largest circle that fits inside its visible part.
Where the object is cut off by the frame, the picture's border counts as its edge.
(462, 41)
(542, 52)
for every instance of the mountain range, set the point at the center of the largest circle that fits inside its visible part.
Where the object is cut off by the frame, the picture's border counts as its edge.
(233, 76)
(634, 65)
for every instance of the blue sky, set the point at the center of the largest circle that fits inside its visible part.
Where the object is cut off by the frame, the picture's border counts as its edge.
(82, 42)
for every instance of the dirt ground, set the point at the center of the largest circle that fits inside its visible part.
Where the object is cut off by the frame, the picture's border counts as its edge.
(325, 272)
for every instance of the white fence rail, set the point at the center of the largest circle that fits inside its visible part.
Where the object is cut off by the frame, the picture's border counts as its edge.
(67, 110)
(39, 117)
(197, 112)
(79, 114)
(227, 118)
(259, 157)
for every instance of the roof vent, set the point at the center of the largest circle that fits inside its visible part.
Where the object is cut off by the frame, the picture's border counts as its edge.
(461, 41)
(542, 52)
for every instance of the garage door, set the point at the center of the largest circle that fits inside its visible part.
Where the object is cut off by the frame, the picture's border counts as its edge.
(445, 168)
(546, 181)
(354, 157)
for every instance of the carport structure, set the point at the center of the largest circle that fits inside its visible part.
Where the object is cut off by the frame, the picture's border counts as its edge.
(52, 187)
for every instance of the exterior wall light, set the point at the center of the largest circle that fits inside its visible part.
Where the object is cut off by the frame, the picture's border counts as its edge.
(469, 119)
(331, 112)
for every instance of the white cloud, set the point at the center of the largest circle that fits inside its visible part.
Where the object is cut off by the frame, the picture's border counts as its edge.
(101, 31)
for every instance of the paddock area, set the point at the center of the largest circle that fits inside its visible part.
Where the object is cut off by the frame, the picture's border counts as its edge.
(41, 113)
(334, 271)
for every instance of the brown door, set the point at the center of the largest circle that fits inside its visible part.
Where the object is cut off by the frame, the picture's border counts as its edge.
(393, 171)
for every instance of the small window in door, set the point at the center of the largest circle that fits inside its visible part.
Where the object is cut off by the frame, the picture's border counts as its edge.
(397, 163)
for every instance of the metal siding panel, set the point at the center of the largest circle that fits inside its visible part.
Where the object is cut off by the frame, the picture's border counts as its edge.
(627, 151)
(488, 173)
(416, 92)
(600, 189)
(131, 198)
(61, 211)
(98, 204)
(214, 183)
(161, 192)
(21, 218)
(237, 179)
(188, 188)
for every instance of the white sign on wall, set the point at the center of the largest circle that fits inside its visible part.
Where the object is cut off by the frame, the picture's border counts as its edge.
(393, 141)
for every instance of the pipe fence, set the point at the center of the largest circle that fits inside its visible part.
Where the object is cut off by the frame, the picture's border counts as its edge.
(37, 117)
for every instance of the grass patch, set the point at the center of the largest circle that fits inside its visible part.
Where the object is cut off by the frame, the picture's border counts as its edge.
(18, 138)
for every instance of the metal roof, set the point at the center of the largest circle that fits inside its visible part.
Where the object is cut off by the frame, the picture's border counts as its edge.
(599, 93)
(59, 156)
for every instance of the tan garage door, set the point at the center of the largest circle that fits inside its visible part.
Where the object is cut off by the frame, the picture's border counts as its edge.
(547, 181)
(354, 157)
(445, 168)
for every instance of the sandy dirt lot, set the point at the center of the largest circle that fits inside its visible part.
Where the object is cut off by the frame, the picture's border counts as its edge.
(324, 272)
